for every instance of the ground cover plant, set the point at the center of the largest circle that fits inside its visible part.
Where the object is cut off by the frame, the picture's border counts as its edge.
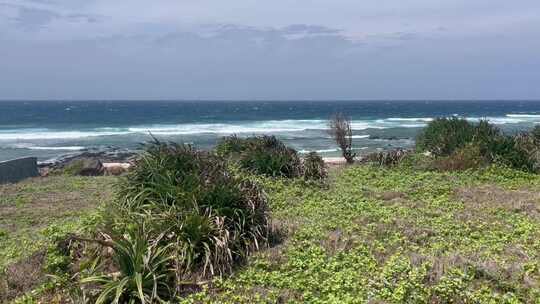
(33, 211)
(382, 234)
(396, 235)
(185, 225)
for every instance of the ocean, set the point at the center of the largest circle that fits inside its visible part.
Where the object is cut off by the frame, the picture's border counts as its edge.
(48, 129)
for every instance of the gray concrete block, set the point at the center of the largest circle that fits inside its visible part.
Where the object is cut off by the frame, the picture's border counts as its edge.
(12, 171)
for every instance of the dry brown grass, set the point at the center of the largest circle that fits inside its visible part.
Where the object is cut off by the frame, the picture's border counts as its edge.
(30, 206)
(338, 241)
(488, 196)
(22, 276)
(34, 203)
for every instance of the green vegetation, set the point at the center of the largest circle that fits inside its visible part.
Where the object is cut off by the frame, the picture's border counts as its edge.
(443, 136)
(460, 144)
(188, 226)
(29, 207)
(269, 156)
(33, 214)
(144, 272)
(262, 155)
(314, 167)
(180, 217)
(397, 236)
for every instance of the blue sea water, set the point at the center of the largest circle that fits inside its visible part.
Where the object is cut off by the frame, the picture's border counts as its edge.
(47, 129)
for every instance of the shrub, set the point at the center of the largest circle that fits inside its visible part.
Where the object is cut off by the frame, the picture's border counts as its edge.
(269, 156)
(535, 132)
(144, 271)
(200, 221)
(467, 157)
(507, 150)
(387, 158)
(263, 155)
(233, 145)
(448, 137)
(215, 217)
(340, 129)
(530, 144)
(484, 135)
(443, 136)
(314, 167)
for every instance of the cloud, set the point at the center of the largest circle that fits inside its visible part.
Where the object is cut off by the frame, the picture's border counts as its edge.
(31, 18)
(279, 49)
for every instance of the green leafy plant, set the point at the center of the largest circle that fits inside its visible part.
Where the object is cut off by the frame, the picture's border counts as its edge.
(507, 150)
(387, 158)
(144, 273)
(467, 157)
(231, 146)
(535, 132)
(213, 217)
(448, 137)
(314, 167)
(265, 155)
(443, 136)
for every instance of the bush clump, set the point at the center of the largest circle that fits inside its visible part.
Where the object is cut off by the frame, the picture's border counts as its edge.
(459, 145)
(265, 155)
(314, 167)
(269, 156)
(233, 146)
(443, 136)
(193, 210)
(387, 158)
(467, 157)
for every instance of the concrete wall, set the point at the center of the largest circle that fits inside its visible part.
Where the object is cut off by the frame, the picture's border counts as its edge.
(12, 171)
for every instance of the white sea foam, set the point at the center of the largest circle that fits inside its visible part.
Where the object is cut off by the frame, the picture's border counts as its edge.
(270, 126)
(31, 146)
(32, 134)
(360, 136)
(252, 127)
(66, 148)
(409, 119)
(536, 116)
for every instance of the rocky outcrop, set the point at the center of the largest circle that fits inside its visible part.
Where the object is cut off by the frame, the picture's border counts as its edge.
(12, 171)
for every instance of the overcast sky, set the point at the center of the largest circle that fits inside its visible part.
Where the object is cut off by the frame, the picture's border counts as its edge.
(279, 49)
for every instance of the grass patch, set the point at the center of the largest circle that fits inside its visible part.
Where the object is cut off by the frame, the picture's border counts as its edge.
(397, 236)
(29, 207)
(32, 214)
(375, 234)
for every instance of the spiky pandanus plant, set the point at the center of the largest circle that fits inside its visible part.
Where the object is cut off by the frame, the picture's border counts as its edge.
(143, 271)
(213, 217)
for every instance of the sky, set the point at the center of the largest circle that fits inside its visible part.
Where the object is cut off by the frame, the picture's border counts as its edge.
(279, 49)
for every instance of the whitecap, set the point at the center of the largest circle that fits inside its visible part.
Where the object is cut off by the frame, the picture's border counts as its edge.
(66, 148)
(359, 136)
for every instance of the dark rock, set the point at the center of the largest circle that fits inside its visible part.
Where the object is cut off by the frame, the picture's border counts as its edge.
(109, 155)
(85, 167)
